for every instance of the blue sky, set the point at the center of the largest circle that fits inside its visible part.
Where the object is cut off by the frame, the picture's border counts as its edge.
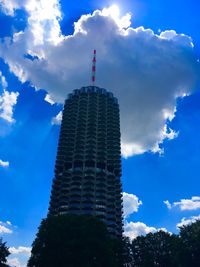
(160, 135)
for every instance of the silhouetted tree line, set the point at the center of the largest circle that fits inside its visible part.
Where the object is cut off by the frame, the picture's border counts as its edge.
(79, 241)
(74, 241)
(4, 253)
(166, 250)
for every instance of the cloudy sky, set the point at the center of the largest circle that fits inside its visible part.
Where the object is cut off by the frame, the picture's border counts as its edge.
(147, 55)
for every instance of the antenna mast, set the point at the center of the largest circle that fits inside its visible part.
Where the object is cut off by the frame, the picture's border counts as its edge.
(94, 68)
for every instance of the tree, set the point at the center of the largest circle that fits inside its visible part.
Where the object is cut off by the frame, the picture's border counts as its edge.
(155, 249)
(4, 253)
(73, 241)
(190, 245)
(127, 257)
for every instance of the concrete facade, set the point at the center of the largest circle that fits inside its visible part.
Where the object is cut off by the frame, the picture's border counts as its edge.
(88, 165)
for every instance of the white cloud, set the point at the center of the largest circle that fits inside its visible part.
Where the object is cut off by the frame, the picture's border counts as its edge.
(3, 81)
(146, 71)
(20, 250)
(168, 204)
(4, 163)
(14, 262)
(7, 101)
(44, 12)
(23, 253)
(131, 204)
(49, 99)
(114, 12)
(4, 228)
(128, 149)
(185, 204)
(57, 119)
(134, 229)
(9, 6)
(187, 221)
(43, 20)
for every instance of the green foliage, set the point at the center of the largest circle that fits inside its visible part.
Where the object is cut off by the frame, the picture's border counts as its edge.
(165, 250)
(190, 245)
(74, 241)
(4, 253)
(154, 249)
(78, 241)
(127, 255)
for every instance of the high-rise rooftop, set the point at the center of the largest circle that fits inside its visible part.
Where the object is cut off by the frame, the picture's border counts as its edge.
(88, 164)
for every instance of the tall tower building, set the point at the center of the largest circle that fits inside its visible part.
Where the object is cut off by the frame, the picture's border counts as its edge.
(88, 164)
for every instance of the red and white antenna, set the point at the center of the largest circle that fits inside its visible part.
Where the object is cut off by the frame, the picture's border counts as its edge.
(94, 68)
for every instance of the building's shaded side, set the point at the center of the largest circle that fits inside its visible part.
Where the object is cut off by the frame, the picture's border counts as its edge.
(88, 165)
